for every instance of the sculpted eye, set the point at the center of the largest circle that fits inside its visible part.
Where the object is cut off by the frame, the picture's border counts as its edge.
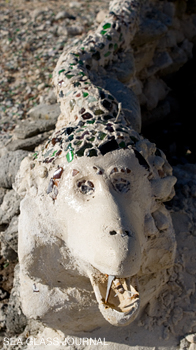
(121, 185)
(86, 187)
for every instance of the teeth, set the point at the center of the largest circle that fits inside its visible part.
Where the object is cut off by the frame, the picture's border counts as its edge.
(110, 280)
(119, 311)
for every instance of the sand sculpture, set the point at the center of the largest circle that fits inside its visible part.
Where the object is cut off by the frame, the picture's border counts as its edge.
(93, 229)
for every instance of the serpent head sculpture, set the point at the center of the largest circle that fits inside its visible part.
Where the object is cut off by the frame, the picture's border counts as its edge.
(93, 199)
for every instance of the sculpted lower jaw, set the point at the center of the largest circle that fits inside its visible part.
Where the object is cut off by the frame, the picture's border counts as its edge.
(118, 298)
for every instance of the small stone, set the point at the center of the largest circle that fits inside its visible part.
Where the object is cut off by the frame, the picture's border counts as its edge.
(51, 98)
(169, 40)
(161, 60)
(100, 16)
(149, 30)
(191, 338)
(125, 68)
(28, 144)
(45, 111)
(10, 207)
(41, 86)
(179, 58)
(3, 294)
(2, 194)
(7, 252)
(9, 166)
(29, 128)
(62, 30)
(62, 15)
(136, 85)
(14, 308)
(155, 90)
(74, 4)
(75, 30)
(10, 235)
(37, 13)
(143, 57)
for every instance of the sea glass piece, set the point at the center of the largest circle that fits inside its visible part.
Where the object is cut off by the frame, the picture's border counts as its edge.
(107, 25)
(70, 156)
(98, 112)
(58, 173)
(87, 116)
(92, 153)
(80, 152)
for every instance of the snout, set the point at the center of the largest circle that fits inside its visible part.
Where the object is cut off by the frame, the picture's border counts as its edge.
(106, 234)
(117, 252)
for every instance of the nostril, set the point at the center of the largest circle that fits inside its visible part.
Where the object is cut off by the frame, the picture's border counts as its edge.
(112, 233)
(125, 233)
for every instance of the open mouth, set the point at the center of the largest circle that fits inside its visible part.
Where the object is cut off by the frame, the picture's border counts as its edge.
(118, 298)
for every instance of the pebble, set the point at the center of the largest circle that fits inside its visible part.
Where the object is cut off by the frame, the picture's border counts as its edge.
(9, 166)
(29, 128)
(155, 90)
(28, 144)
(36, 13)
(10, 235)
(100, 16)
(63, 14)
(149, 30)
(2, 194)
(45, 112)
(7, 252)
(161, 60)
(61, 30)
(41, 86)
(191, 338)
(179, 57)
(124, 69)
(74, 4)
(10, 207)
(51, 97)
(3, 294)
(14, 311)
(75, 30)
